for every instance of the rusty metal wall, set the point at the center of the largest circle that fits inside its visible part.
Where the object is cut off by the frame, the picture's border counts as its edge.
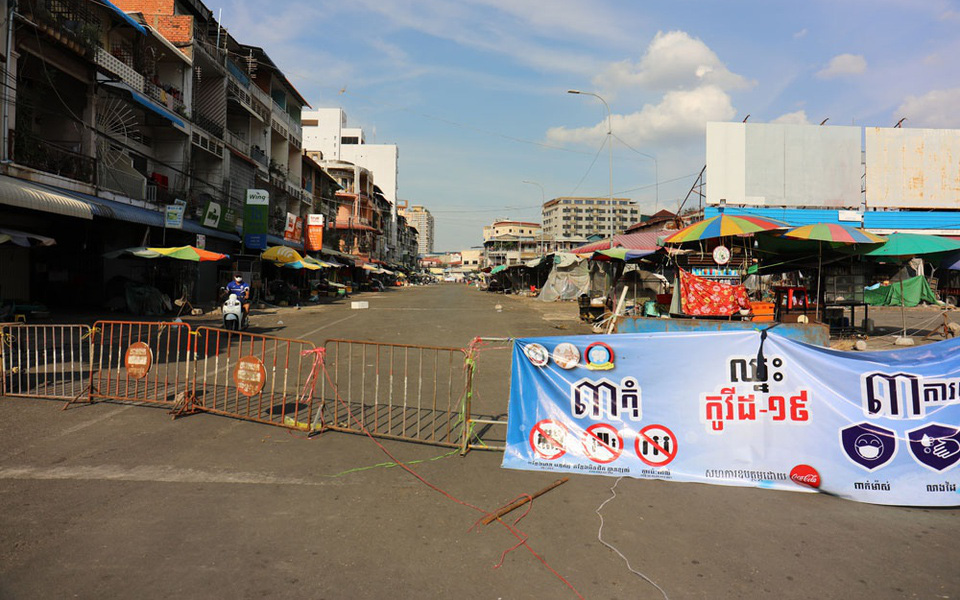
(912, 168)
(254, 377)
(141, 362)
(44, 361)
(394, 391)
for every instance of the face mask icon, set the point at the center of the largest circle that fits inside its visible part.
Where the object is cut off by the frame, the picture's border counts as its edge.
(868, 445)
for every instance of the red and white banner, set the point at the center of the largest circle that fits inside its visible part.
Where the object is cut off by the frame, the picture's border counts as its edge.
(294, 229)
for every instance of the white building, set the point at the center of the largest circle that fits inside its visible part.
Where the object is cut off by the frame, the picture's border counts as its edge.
(325, 130)
(420, 219)
(581, 217)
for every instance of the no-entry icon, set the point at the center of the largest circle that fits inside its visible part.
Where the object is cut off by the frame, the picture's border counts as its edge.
(602, 443)
(547, 438)
(656, 445)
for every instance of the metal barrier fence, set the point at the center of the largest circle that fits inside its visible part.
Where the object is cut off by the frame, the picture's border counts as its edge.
(44, 361)
(412, 393)
(253, 377)
(141, 362)
(395, 391)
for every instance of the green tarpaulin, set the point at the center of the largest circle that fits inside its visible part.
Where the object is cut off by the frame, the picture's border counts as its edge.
(915, 291)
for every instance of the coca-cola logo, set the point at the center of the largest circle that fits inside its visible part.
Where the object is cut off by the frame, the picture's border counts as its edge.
(805, 475)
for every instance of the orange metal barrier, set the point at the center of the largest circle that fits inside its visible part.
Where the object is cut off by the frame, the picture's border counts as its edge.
(395, 391)
(141, 362)
(253, 377)
(44, 361)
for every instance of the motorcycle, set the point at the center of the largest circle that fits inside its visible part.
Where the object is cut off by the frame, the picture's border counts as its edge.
(234, 317)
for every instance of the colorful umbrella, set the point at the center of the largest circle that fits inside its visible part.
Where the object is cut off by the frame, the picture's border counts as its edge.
(281, 255)
(189, 253)
(834, 233)
(723, 225)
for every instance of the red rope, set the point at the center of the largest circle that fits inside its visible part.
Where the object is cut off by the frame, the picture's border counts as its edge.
(522, 537)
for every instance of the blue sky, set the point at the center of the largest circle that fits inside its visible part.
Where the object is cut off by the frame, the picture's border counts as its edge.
(474, 91)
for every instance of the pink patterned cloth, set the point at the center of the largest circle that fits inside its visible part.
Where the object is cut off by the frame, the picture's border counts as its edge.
(702, 297)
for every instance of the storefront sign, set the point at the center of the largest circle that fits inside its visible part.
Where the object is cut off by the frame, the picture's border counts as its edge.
(314, 237)
(174, 216)
(212, 215)
(720, 408)
(201, 241)
(255, 219)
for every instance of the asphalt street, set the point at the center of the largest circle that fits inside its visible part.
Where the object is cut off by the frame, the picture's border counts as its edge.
(119, 501)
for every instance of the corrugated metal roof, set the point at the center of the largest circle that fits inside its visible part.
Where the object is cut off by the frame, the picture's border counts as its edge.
(26, 194)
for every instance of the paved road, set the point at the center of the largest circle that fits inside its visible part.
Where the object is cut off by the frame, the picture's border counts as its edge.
(111, 501)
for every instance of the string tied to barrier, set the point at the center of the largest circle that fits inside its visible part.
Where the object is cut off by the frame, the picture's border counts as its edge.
(89, 334)
(319, 355)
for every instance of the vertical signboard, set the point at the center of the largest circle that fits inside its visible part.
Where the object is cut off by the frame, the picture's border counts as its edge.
(294, 228)
(212, 215)
(314, 238)
(255, 217)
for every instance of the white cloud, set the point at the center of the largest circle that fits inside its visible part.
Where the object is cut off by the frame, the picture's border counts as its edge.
(673, 61)
(843, 65)
(935, 109)
(800, 34)
(795, 118)
(680, 116)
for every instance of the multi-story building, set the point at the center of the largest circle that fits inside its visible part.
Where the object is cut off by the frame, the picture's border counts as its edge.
(420, 219)
(512, 242)
(582, 216)
(116, 110)
(325, 130)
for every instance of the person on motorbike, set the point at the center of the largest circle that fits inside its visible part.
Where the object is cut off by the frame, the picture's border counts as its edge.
(242, 290)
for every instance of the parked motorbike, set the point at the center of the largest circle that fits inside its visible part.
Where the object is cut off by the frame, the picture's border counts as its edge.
(234, 317)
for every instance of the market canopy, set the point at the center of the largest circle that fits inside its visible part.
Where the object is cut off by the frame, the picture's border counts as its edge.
(905, 245)
(189, 253)
(723, 225)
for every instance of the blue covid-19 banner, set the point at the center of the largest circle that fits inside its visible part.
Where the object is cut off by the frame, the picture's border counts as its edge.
(739, 408)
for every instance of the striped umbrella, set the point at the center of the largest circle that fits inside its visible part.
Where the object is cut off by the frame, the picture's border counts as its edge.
(723, 225)
(834, 233)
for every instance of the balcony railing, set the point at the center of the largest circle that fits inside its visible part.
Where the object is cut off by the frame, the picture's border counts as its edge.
(33, 152)
(286, 120)
(237, 141)
(207, 124)
(172, 99)
(260, 156)
(125, 72)
(127, 182)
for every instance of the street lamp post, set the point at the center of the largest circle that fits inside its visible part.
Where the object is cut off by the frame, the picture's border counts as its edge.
(609, 152)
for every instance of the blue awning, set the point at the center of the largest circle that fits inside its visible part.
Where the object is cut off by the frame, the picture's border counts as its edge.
(166, 114)
(146, 102)
(124, 16)
(111, 209)
(276, 240)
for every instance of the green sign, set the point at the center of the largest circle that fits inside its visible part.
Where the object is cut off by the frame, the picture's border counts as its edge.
(255, 219)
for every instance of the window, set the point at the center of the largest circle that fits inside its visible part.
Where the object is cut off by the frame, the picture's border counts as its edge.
(350, 140)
